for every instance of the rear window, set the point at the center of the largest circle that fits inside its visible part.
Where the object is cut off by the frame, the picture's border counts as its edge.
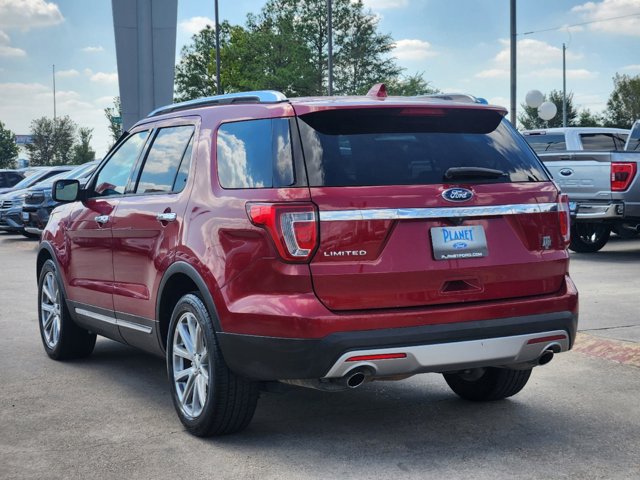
(410, 147)
(604, 142)
(255, 154)
(542, 143)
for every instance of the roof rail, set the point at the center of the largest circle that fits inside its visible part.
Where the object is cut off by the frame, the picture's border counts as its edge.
(259, 96)
(458, 97)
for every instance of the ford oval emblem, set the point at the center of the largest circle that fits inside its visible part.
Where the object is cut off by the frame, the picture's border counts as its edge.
(565, 172)
(457, 194)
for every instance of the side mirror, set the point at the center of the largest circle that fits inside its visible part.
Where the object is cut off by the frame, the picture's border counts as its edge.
(66, 190)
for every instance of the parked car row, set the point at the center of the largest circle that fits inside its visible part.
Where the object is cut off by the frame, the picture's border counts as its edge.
(25, 206)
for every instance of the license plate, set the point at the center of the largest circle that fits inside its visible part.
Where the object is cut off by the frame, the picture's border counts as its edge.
(25, 216)
(451, 243)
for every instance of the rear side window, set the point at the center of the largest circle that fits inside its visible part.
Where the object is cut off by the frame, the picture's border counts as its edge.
(408, 147)
(598, 141)
(547, 143)
(163, 162)
(255, 154)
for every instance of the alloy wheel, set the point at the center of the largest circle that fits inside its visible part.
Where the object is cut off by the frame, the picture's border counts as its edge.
(50, 310)
(190, 365)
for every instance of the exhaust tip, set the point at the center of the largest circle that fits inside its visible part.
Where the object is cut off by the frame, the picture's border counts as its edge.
(546, 357)
(356, 379)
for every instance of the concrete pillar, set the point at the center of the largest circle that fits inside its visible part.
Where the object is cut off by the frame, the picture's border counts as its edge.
(145, 32)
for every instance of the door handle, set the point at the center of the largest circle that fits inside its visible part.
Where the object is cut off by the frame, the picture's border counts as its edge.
(166, 217)
(102, 219)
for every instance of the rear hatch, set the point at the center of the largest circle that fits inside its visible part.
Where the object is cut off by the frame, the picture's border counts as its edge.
(394, 232)
(584, 176)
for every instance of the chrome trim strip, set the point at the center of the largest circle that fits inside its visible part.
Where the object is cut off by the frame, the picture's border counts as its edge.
(451, 356)
(440, 212)
(113, 321)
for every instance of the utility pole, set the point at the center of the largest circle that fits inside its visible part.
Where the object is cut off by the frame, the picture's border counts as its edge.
(53, 72)
(330, 49)
(564, 85)
(513, 62)
(218, 89)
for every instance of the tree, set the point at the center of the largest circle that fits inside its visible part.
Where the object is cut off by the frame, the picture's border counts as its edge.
(82, 151)
(588, 119)
(52, 141)
(623, 106)
(411, 86)
(8, 148)
(530, 119)
(114, 117)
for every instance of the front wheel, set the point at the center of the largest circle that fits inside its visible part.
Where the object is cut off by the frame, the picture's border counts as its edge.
(490, 384)
(589, 237)
(61, 337)
(209, 398)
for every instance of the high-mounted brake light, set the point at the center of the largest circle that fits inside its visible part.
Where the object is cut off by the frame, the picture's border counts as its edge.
(621, 175)
(293, 227)
(564, 215)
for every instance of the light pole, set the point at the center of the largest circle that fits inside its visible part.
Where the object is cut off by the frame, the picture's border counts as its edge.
(564, 85)
(513, 62)
(218, 89)
(53, 73)
(330, 47)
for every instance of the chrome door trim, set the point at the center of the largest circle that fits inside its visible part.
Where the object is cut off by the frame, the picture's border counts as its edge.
(112, 320)
(444, 212)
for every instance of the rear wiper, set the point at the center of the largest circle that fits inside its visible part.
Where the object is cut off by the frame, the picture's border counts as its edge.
(472, 172)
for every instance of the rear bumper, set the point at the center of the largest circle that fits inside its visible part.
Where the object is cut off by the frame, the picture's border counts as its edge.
(589, 212)
(440, 347)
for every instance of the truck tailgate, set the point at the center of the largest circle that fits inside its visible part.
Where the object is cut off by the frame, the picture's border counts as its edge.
(584, 176)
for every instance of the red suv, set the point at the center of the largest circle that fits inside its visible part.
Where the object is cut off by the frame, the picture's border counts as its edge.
(322, 242)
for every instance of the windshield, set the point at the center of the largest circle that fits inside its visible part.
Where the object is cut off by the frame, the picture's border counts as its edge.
(80, 172)
(30, 180)
(409, 147)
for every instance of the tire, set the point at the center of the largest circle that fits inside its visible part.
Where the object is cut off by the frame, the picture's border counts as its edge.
(209, 398)
(624, 233)
(589, 237)
(494, 384)
(61, 337)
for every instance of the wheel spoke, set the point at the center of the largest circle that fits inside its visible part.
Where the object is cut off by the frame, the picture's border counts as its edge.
(182, 373)
(45, 290)
(47, 322)
(201, 384)
(46, 307)
(181, 352)
(188, 390)
(186, 337)
(199, 344)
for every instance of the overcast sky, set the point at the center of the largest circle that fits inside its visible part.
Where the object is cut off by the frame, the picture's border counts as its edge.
(459, 45)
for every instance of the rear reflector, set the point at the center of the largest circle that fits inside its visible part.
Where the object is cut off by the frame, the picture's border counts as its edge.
(292, 226)
(621, 175)
(381, 356)
(564, 213)
(550, 338)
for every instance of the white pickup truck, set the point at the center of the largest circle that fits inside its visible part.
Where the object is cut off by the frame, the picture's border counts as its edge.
(598, 169)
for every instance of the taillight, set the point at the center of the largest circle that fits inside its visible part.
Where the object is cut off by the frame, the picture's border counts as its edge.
(621, 175)
(564, 216)
(293, 227)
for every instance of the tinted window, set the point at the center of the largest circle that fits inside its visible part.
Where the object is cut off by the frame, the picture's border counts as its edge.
(255, 154)
(14, 178)
(397, 148)
(597, 141)
(634, 140)
(547, 143)
(4, 177)
(113, 178)
(163, 160)
(181, 178)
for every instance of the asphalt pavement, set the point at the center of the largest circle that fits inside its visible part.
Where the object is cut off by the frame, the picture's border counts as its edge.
(111, 416)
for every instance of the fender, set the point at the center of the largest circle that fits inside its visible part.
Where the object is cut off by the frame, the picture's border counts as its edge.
(45, 245)
(186, 269)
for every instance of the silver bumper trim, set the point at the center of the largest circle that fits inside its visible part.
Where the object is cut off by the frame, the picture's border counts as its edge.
(445, 212)
(608, 211)
(443, 357)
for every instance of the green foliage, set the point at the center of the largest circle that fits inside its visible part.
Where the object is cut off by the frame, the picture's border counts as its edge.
(114, 117)
(410, 86)
(8, 148)
(82, 151)
(623, 106)
(52, 142)
(285, 47)
(588, 119)
(529, 119)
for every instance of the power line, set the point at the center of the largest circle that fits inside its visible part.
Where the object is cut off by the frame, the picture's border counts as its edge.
(582, 23)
